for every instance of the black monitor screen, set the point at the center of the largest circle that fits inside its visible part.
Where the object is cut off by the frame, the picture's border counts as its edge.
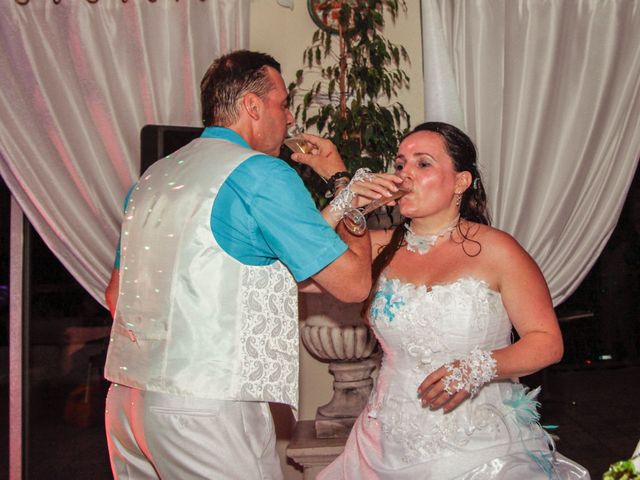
(158, 141)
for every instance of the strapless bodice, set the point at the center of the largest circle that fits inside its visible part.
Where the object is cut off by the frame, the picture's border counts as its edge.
(422, 327)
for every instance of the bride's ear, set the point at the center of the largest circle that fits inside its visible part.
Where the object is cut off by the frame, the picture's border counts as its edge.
(463, 181)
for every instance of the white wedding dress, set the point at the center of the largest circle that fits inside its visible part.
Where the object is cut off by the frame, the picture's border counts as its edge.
(495, 435)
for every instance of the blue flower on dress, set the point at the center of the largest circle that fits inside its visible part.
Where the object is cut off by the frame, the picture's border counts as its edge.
(386, 302)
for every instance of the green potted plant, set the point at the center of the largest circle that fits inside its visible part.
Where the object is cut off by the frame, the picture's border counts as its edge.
(354, 74)
(346, 93)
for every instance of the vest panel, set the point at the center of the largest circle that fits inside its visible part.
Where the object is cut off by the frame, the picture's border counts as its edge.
(190, 319)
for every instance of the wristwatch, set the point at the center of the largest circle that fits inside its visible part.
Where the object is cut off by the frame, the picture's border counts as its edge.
(336, 181)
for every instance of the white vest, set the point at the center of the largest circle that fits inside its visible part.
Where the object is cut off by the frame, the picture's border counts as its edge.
(190, 319)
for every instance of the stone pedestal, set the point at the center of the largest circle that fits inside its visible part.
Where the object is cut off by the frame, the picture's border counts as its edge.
(333, 332)
(310, 452)
(351, 387)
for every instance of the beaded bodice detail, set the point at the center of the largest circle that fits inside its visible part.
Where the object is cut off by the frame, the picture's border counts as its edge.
(421, 328)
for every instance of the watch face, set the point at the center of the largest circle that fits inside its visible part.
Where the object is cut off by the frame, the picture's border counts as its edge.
(324, 13)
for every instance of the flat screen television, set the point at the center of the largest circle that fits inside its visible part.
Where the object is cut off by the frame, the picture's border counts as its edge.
(158, 141)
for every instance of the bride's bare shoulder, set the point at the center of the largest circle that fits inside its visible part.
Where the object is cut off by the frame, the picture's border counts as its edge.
(493, 241)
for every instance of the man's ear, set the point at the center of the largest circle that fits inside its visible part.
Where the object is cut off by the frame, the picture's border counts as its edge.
(252, 104)
(463, 181)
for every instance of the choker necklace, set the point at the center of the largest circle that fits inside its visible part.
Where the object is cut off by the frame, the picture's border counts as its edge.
(421, 244)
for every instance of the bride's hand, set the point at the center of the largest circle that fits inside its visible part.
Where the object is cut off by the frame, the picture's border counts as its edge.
(454, 382)
(433, 393)
(377, 185)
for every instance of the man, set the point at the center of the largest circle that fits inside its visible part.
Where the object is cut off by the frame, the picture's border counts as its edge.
(204, 293)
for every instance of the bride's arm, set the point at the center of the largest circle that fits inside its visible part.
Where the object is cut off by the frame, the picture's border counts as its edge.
(527, 301)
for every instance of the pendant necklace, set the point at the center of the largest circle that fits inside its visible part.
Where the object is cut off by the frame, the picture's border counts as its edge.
(421, 244)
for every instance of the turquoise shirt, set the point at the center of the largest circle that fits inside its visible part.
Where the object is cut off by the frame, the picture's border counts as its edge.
(264, 213)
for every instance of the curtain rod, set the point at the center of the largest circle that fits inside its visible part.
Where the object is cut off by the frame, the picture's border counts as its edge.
(56, 2)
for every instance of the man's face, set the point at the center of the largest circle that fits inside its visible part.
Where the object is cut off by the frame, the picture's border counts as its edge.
(275, 117)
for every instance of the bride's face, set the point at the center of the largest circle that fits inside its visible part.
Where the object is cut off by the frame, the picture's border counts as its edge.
(423, 158)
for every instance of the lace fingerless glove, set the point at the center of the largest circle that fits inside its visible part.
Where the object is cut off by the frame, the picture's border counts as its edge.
(344, 198)
(470, 373)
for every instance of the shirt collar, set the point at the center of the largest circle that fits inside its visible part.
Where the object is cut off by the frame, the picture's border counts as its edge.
(225, 134)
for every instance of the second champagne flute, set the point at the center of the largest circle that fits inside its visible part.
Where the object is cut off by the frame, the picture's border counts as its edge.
(354, 218)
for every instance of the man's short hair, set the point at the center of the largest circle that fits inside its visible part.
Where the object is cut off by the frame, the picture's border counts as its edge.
(228, 79)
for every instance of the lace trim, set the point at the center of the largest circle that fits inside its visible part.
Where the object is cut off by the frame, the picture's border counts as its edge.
(424, 435)
(344, 198)
(422, 337)
(269, 337)
(470, 373)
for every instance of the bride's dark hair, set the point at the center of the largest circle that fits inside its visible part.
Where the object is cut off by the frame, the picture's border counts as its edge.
(473, 204)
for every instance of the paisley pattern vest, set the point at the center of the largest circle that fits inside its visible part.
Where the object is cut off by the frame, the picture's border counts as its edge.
(190, 319)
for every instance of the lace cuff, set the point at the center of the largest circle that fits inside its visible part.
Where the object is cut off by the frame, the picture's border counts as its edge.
(470, 373)
(344, 198)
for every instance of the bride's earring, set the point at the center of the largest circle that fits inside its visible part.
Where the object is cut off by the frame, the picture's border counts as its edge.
(458, 199)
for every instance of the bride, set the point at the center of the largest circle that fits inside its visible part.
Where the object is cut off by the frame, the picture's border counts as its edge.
(448, 289)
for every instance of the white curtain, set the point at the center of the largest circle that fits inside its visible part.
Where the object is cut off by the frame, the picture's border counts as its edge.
(550, 92)
(78, 82)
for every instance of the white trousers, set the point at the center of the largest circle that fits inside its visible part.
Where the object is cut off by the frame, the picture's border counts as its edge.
(160, 436)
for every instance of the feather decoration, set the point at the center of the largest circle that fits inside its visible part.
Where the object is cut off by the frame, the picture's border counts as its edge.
(525, 405)
(544, 461)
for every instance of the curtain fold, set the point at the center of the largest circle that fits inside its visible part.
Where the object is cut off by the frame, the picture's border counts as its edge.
(79, 81)
(550, 92)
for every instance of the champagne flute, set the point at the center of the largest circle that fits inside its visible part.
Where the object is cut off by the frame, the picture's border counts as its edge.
(354, 218)
(295, 142)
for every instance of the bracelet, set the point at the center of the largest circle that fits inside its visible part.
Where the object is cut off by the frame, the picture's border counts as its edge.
(339, 184)
(470, 373)
(338, 179)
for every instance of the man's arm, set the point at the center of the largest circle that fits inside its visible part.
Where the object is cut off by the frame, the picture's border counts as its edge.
(111, 292)
(113, 287)
(377, 186)
(348, 277)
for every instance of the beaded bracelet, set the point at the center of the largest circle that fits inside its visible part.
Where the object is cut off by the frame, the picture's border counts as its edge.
(336, 181)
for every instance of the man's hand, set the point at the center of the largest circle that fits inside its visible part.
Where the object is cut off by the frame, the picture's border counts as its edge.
(324, 157)
(112, 291)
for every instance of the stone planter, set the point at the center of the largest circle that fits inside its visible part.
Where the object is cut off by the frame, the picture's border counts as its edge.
(333, 332)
